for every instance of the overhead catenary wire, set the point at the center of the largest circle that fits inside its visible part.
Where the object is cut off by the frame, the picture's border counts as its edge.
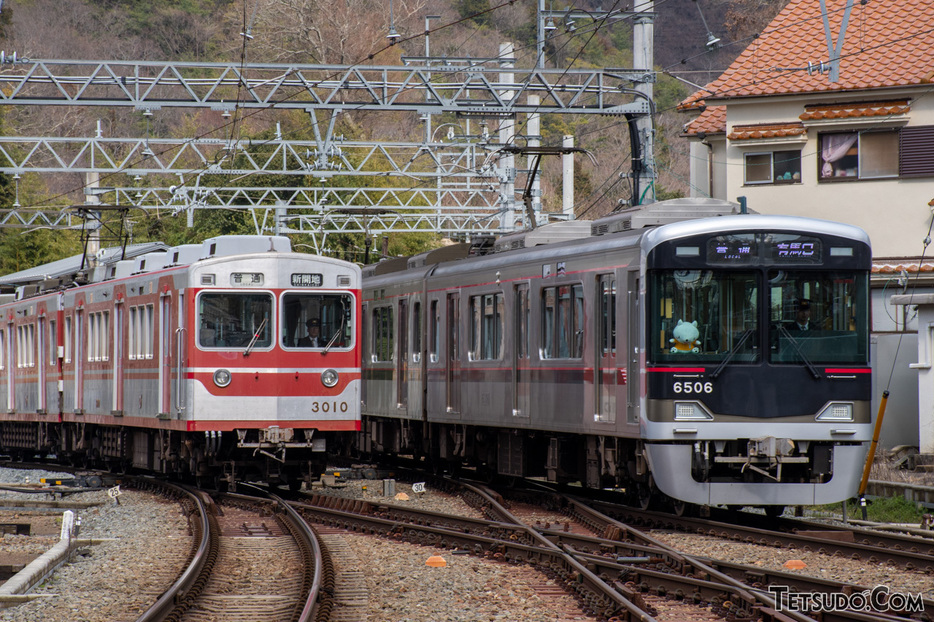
(248, 28)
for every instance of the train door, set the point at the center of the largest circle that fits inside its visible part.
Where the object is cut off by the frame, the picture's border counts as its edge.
(452, 358)
(165, 354)
(366, 352)
(10, 378)
(521, 406)
(633, 323)
(118, 333)
(181, 360)
(80, 331)
(402, 363)
(40, 365)
(605, 373)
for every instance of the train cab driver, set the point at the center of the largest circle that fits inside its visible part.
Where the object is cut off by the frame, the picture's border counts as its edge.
(313, 339)
(803, 317)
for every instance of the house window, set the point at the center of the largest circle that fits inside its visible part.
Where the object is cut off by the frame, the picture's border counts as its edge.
(773, 167)
(858, 155)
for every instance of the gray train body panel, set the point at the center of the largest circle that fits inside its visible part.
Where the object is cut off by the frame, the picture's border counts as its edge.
(597, 411)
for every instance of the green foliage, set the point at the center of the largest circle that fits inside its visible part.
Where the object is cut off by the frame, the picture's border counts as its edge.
(663, 194)
(668, 92)
(878, 509)
(21, 250)
(888, 510)
(476, 10)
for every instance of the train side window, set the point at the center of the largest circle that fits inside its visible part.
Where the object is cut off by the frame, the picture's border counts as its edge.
(434, 332)
(383, 334)
(2, 349)
(417, 331)
(522, 320)
(148, 331)
(68, 339)
(98, 336)
(562, 322)
(53, 343)
(608, 316)
(26, 345)
(92, 336)
(486, 327)
(133, 333)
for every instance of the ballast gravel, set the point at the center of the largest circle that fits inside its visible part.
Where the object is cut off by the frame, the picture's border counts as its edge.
(145, 540)
(141, 544)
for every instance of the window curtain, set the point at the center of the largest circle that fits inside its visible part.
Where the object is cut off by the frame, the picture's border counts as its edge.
(834, 147)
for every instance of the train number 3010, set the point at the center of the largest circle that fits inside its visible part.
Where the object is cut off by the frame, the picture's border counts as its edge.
(329, 407)
(693, 387)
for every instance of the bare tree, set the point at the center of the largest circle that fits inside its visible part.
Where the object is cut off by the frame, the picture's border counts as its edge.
(341, 32)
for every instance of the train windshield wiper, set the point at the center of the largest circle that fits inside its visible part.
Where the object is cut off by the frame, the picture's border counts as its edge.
(249, 347)
(733, 351)
(794, 343)
(340, 331)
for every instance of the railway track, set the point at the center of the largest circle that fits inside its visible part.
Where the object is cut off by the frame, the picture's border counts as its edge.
(576, 548)
(503, 537)
(251, 560)
(907, 552)
(616, 521)
(658, 582)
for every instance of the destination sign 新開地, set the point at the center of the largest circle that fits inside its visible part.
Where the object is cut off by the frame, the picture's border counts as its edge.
(307, 279)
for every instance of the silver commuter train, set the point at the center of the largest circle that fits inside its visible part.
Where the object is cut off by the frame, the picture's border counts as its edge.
(653, 350)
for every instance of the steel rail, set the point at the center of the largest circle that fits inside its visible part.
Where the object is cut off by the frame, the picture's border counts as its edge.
(318, 579)
(200, 561)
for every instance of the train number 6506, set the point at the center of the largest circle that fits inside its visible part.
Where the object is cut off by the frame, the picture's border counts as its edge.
(693, 387)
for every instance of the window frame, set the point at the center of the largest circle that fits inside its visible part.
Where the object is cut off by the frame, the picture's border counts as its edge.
(563, 330)
(487, 324)
(383, 318)
(245, 337)
(772, 180)
(860, 151)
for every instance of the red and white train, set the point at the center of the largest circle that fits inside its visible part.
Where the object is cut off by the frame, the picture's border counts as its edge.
(192, 361)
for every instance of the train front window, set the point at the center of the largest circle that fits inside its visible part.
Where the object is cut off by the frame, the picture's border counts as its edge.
(231, 320)
(818, 317)
(703, 315)
(317, 320)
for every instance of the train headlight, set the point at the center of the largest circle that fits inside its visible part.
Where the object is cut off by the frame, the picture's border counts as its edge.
(836, 411)
(329, 377)
(222, 377)
(691, 411)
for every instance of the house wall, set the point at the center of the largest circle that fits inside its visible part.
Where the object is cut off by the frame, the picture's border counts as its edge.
(894, 212)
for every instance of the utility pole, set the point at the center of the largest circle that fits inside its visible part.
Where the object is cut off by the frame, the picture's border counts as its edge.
(643, 42)
(641, 123)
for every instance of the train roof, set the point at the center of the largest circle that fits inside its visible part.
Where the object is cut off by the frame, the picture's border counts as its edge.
(70, 266)
(665, 212)
(115, 263)
(726, 224)
(554, 237)
(647, 237)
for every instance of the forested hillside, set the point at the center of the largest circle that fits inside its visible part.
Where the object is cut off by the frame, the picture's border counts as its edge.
(348, 32)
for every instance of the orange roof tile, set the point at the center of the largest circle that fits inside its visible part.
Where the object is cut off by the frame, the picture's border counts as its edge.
(768, 130)
(848, 111)
(711, 121)
(894, 266)
(886, 44)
